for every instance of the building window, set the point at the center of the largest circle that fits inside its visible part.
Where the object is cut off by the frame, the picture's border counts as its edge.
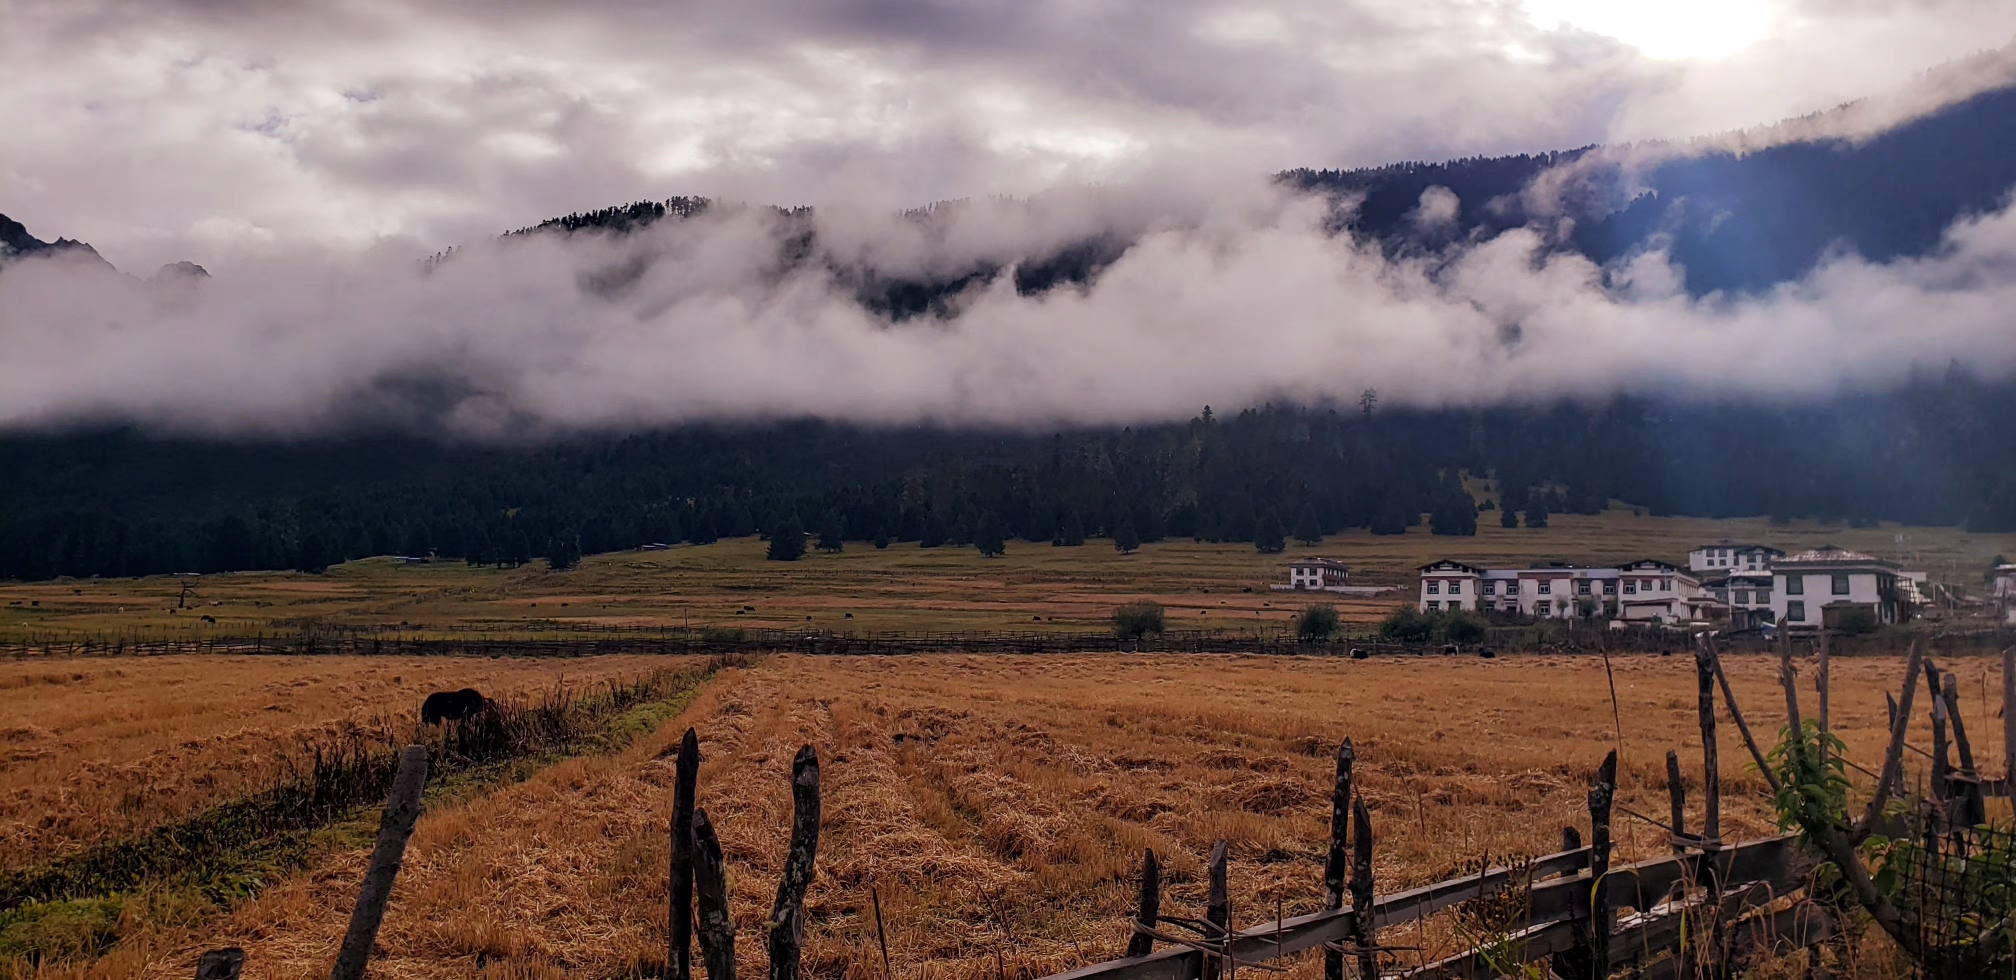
(1840, 585)
(1433, 606)
(1546, 586)
(1795, 585)
(1490, 588)
(1455, 588)
(1582, 587)
(1543, 608)
(1610, 587)
(1795, 612)
(1763, 597)
(1434, 588)
(1743, 599)
(1630, 586)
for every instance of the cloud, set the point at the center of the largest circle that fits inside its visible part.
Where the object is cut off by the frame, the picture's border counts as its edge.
(1241, 299)
(213, 130)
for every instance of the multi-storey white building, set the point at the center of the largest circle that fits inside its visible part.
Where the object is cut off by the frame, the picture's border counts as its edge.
(1748, 595)
(1815, 588)
(1318, 574)
(1639, 591)
(1729, 557)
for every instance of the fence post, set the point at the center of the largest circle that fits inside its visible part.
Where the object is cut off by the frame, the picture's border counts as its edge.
(1677, 791)
(686, 774)
(1976, 808)
(1361, 890)
(1942, 762)
(1600, 797)
(1711, 764)
(1150, 910)
(401, 813)
(1218, 910)
(1334, 867)
(220, 964)
(710, 893)
(787, 917)
(2009, 722)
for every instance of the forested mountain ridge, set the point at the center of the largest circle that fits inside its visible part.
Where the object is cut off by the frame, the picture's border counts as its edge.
(123, 502)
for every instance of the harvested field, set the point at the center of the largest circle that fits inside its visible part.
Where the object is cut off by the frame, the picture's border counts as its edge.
(92, 749)
(907, 588)
(1000, 806)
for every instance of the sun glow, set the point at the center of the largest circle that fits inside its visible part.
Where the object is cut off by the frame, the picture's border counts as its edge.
(1700, 29)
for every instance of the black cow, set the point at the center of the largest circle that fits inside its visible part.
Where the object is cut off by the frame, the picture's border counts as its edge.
(1360, 653)
(459, 705)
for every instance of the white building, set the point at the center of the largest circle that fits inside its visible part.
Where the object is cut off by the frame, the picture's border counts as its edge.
(1748, 595)
(1318, 575)
(1814, 588)
(1640, 591)
(1726, 556)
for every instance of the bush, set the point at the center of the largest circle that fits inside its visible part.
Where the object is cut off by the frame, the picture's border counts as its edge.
(1317, 623)
(1462, 627)
(1407, 625)
(1137, 619)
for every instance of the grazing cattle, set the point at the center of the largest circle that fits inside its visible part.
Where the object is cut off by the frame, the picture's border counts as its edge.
(1488, 653)
(1449, 650)
(459, 705)
(1360, 653)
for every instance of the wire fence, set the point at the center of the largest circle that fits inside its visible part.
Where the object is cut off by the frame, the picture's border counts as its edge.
(1957, 891)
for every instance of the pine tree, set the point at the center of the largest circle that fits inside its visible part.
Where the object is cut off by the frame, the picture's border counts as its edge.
(1536, 514)
(1455, 514)
(881, 539)
(830, 535)
(1509, 517)
(1307, 530)
(313, 554)
(787, 541)
(564, 551)
(1267, 534)
(935, 532)
(1125, 540)
(1392, 518)
(1072, 534)
(988, 537)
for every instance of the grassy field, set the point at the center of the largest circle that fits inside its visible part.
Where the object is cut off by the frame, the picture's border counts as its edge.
(1034, 586)
(92, 749)
(1000, 804)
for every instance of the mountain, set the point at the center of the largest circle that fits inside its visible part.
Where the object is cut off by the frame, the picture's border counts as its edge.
(15, 242)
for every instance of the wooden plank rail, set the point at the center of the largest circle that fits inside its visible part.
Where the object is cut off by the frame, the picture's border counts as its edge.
(1560, 890)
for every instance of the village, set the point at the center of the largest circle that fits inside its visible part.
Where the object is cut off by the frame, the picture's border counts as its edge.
(1728, 584)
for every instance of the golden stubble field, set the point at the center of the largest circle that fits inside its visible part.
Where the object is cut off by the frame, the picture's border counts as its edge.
(1000, 806)
(92, 748)
(1034, 586)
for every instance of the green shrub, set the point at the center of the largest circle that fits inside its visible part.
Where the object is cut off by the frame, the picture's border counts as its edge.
(1407, 625)
(1137, 619)
(1317, 623)
(1462, 627)
(1854, 620)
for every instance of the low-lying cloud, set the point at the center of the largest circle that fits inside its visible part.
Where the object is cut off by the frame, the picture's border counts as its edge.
(1232, 302)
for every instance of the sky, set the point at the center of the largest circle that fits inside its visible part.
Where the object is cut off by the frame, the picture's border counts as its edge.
(219, 130)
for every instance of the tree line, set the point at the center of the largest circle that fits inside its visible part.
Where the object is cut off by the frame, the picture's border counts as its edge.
(120, 503)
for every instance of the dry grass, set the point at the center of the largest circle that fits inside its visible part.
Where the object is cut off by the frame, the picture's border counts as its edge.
(96, 748)
(1035, 586)
(1029, 785)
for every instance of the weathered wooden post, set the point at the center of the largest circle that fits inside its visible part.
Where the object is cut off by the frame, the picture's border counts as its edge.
(1893, 757)
(220, 964)
(710, 893)
(787, 917)
(2009, 723)
(1218, 910)
(1942, 764)
(1822, 682)
(1706, 667)
(1149, 911)
(1676, 791)
(1361, 890)
(1334, 867)
(1601, 796)
(1974, 809)
(394, 828)
(685, 780)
